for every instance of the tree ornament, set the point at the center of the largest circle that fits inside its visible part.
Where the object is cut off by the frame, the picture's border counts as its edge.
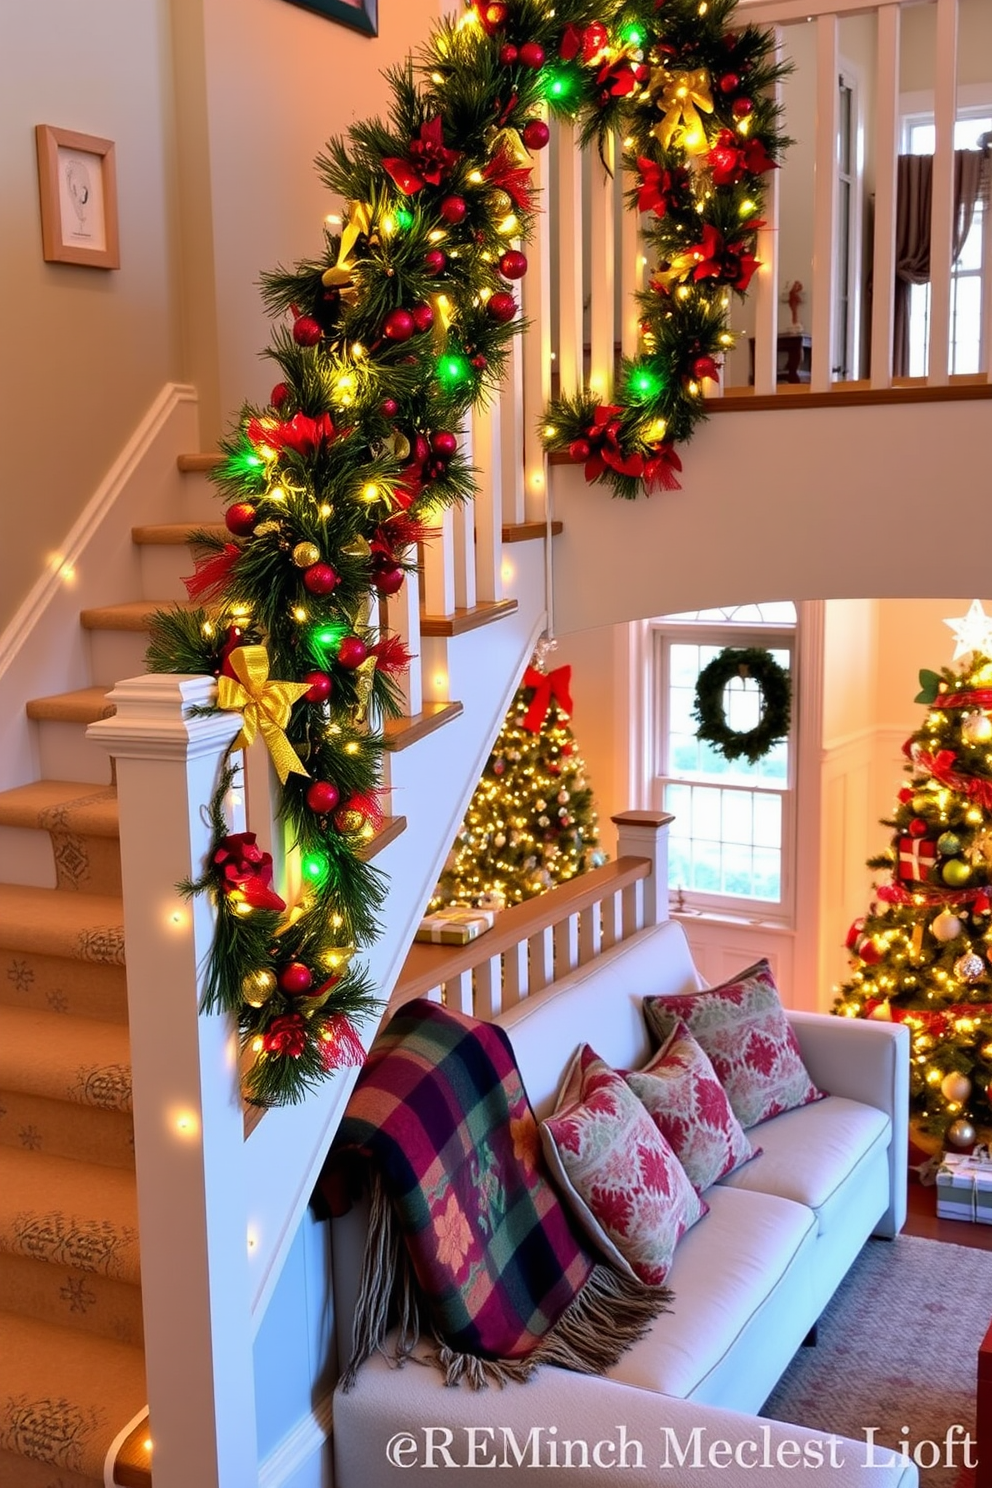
(453, 209)
(580, 449)
(776, 703)
(295, 978)
(306, 554)
(319, 686)
(955, 1087)
(948, 843)
(423, 316)
(321, 579)
(508, 54)
(240, 519)
(955, 873)
(278, 395)
(501, 307)
(976, 728)
(918, 827)
(961, 1133)
(352, 652)
(500, 202)
(729, 83)
(882, 1012)
(535, 134)
(513, 265)
(444, 443)
(532, 54)
(986, 1051)
(388, 580)
(306, 331)
(399, 325)
(741, 108)
(946, 926)
(921, 803)
(323, 796)
(492, 15)
(969, 967)
(258, 987)
(435, 262)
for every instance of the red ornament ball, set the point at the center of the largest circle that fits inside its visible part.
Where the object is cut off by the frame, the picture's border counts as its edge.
(730, 82)
(240, 519)
(352, 652)
(917, 827)
(741, 107)
(279, 394)
(536, 134)
(435, 262)
(508, 54)
(421, 449)
(388, 580)
(306, 331)
(580, 449)
(493, 15)
(319, 689)
(423, 316)
(532, 54)
(444, 443)
(323, 796)
(480, 363)
(321, 578)
(501, 307)
(295, 978)
(389, 407)
(453, 209)
(399, 325)
(513, 264)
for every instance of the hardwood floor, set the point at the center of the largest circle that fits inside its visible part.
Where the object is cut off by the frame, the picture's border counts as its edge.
(922, 1220)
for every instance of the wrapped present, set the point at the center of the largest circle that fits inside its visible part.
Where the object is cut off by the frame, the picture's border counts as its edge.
(457, 924)
(917, 855)
(964, 1188)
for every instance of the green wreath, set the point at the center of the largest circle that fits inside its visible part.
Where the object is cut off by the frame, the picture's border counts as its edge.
(776, 703)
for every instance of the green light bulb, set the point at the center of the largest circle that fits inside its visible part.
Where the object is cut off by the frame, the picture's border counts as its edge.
(404, 218)
(453, 369)
(314, 867)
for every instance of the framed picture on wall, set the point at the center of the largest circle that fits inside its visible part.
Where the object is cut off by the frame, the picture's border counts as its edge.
(78, 186)
(360, 15)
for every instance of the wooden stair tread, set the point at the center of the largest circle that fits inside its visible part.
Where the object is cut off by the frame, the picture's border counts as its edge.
(175, 534)
(514, 532)
(100, 1381)
(85, 705)
(392, 827)
(400, 733)
(196, 463)
(62, 805)
(54, 922)
(75, 1214)
(134, 615)
(464, 620)
(65, 1058)
(132, 1468)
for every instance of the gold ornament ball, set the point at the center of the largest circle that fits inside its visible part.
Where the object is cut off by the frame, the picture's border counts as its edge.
(955, 872)
(500, 201)
(977, 728)
(955, 1087)
(961, 1133)
(986, 1050)
(969, 967)
(306, 554)
(946, 926)
(258, 988)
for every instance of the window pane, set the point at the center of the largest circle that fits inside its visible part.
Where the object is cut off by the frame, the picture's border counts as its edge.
(767, 874)
(683, 755)
(767, 821)
(706, 814)
(737, 823)
(706, 867)
(737, 871)
(967, 323)
(683, 665)
(681, 701)
(970, 257)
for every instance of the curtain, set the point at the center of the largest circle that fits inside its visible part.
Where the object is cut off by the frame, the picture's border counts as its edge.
(914, 195)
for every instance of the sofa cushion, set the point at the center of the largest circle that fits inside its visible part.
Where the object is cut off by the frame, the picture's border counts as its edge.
(743, 1301)
(809, 1154)
(743, 1028)
(622, 1179)
(679, 1090)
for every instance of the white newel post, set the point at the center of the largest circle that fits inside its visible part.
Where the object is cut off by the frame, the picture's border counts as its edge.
(644, 834)
(188, 1123)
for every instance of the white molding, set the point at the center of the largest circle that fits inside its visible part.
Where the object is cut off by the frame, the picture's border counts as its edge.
(308, 1437)
(110, 1461)
(152, 719)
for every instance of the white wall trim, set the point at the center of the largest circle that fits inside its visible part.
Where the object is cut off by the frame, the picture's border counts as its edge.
(308, 1437)
(110, 1461)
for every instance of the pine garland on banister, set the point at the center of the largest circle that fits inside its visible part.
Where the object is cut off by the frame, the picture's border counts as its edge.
(384, 341)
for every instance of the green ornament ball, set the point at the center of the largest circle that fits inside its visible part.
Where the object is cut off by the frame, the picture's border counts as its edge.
(948, 843)
(955, 873)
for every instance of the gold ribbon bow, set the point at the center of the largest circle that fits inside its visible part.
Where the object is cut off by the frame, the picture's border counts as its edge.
(340, 276)
(680, 95)
(364, 683)
(265, 706)
(679, 268)
(510, 140)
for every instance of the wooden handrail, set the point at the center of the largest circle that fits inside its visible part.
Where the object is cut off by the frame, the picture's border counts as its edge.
(427, 966)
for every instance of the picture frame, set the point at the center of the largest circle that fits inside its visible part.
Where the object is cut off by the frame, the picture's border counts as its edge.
(77, 181)
(360, 15)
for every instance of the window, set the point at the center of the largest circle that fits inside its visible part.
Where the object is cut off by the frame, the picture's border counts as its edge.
(919, 137)
(731, 844)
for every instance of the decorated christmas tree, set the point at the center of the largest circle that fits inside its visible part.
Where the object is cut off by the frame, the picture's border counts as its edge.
(921, 953)
(531, 822)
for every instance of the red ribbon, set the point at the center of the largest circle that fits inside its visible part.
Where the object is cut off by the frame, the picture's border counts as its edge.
(948, 898)
(603, 436)
(547, 685)
(428, 162)
(932, 1022)
(660, 188)
(590, 41)
(939, 766)
(728, 263)
(302, 435)
(660, 468)
(978, 697)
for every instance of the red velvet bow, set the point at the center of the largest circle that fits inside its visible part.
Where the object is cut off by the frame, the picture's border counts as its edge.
(586, 42)
(728, 263)
(660, 189)
(547, 685)
(302, 435)
(428, 161)
(621, 78)
(246, 871)
(603, 438)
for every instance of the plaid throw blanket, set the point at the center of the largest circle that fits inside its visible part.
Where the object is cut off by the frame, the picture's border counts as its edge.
(468, 1241)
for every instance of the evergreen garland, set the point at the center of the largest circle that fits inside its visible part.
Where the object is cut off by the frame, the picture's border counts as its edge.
(758, 664)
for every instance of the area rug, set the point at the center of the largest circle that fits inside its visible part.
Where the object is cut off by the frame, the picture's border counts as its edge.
(897, 1351)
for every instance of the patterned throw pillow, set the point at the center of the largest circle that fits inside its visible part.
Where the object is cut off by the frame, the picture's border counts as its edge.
(742, 1026)
(626, 1186)
(681, 1093)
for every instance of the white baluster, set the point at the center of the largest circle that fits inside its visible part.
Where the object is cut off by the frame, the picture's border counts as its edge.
(488, 986)
(566, 935)
(488, 504)
(824, 203)
(403, 619)
(886, 158)
(515, 978)
(569, 236)
(439, 566)
(536, 293)
(766, 283)
(942, 209)
(601, 253)
(590, 934)
(542, 959)
(511, 427)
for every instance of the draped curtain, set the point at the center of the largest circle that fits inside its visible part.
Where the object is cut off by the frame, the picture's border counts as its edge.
(913, 203)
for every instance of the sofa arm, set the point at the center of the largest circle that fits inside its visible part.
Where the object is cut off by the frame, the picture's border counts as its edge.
(408, 1426)
(865, 1061)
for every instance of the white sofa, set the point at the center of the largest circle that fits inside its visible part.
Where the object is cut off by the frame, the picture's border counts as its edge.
(749, 1280)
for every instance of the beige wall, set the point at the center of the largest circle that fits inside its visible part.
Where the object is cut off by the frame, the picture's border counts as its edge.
(84, 350)
(974, 45)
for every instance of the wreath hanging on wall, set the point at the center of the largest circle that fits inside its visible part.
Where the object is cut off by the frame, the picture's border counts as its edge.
(757, 664)
(399, 325)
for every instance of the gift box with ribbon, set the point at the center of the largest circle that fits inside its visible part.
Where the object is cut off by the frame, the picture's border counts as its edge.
(964, 1188)
(917, 856)
(455, 925)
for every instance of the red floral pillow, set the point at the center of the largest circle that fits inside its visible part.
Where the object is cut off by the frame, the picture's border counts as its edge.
(679, 1089)
(742, 1027)
(624, 1183)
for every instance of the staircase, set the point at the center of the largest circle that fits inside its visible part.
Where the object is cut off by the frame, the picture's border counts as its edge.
(72, 1363)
